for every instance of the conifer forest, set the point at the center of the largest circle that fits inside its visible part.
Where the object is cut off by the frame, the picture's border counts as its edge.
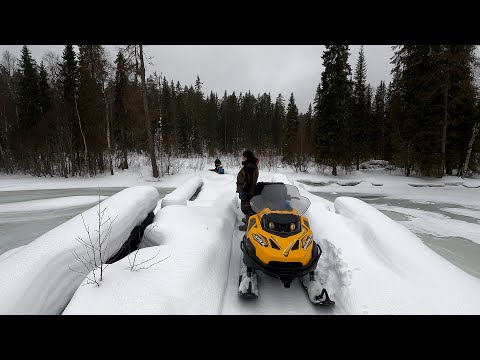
(78, 114)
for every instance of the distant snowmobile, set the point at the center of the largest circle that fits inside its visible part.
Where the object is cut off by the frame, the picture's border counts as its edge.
(218, 167)
(279, 242)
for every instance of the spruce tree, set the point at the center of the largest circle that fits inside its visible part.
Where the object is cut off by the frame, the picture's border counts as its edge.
(91, 106)
(278, 121)
(333, 109)
(291, 146)
(44, 89)
(28, 97)
(360, 110)
(120, 114)
(378, 136)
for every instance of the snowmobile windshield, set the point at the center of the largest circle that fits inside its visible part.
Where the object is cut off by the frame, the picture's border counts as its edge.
(280, 197)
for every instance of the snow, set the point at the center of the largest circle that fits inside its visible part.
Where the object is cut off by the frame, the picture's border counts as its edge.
(395, 186)
(190, 281)
(314, 287)
(50, 204)
(453, 183)
(426, 184)
(184, 192)
(392, 272)
(471, 186)
(36, 279)
(246, 281)
(121, 178)
(10, 252)
(348, 183)
(370, 264)
(465, 212)
(437, 224)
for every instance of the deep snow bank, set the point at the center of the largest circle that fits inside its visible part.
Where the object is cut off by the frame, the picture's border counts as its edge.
(184, 192)
(10, 252)
(36, 279)
(389, 269)
(194, 246)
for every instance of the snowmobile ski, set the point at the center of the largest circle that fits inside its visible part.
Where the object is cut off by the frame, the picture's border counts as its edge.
(315, 291)
(247, 283)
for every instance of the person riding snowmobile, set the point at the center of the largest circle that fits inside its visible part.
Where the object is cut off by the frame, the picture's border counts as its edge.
(218, 167)
(246, 182)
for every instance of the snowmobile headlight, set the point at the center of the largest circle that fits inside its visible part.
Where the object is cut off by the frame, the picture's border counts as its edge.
(292, 227)
(260, 239)
(307, 241)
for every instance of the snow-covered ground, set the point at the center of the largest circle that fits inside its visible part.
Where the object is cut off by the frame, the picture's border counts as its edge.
(121, 178)
(395, 186)
(465, 212)
(420, 221)
(41, 277)
(370, 263)
(49, 204)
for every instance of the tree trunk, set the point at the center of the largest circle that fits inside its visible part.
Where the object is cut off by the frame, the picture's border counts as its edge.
(449, 169)
(136, 64)
(125, 160)
(334, 169)
(110, 163)
(147, 116)
(445, 114)
(6, 160)
(81, 131)
(475, 130)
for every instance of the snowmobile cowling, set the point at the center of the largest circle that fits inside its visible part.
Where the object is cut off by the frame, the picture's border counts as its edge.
(278, 240)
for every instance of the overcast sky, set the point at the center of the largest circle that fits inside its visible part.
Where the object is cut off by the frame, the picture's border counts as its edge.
(258, 68)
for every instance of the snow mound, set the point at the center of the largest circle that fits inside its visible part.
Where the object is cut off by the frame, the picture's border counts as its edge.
(317, 183)
(348, 183)
(37, 279)
(453, 183)
(471, 186)
(49, 204)
(184, 192)
(426, 185)
(392, 270)
(195, 245)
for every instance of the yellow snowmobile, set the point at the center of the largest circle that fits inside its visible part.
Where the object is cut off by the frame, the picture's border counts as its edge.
(279, 242)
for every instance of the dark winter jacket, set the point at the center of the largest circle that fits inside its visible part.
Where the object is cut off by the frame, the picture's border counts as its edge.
(247, 177)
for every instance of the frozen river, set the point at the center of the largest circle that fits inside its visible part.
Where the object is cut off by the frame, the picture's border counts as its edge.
(22, 225)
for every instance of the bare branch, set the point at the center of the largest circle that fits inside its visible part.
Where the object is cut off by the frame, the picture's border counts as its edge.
(148, 267)
(79, 272)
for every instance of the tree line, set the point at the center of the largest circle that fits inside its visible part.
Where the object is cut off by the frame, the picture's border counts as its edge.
(78, 114)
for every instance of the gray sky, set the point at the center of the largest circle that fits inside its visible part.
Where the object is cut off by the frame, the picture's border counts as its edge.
(258, 68)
